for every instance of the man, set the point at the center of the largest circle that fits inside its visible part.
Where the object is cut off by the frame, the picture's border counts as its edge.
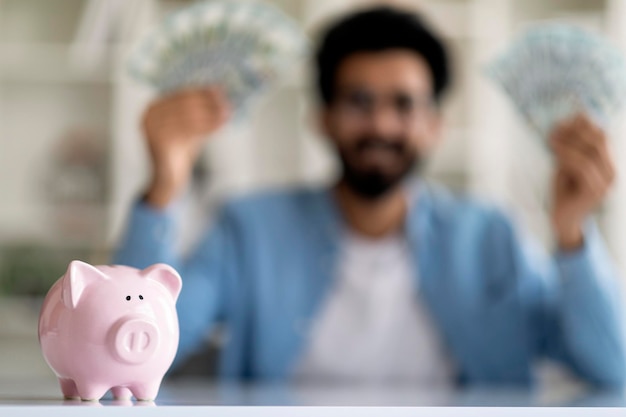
(376, 278)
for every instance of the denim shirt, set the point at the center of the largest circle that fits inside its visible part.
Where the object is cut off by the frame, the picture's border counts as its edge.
(266, 265)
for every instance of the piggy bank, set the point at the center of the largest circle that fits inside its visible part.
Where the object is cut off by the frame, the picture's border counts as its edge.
(112, 328)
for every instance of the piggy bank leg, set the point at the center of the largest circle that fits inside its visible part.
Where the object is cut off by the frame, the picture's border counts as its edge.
(68, 388)
(146, 391)
(121, 393)
(91, 391)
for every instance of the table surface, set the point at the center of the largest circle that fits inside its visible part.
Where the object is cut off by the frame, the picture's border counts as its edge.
(202, 397)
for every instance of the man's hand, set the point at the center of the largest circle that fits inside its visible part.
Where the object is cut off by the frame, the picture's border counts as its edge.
(584, 174)
(175, 128)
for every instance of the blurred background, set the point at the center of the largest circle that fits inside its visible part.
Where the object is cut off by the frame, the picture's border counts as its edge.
(72, 157)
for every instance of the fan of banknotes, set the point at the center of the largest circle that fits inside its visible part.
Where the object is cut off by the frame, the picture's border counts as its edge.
(243, 46)
(555, 70)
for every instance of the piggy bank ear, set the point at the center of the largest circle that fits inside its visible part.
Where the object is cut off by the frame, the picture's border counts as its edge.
(166, 276)
(79, 276)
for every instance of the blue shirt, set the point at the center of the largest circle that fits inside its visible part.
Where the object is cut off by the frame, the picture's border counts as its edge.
(268, 263)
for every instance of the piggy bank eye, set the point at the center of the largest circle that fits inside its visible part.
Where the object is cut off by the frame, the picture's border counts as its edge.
(141, 297)
(128, 298)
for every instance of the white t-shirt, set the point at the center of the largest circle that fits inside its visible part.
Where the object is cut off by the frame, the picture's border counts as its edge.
(373, 327)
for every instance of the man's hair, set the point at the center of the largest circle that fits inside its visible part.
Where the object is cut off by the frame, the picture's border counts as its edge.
(378, 29)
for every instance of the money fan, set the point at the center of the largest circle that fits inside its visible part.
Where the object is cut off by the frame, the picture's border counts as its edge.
(555, 70)
(241, 46)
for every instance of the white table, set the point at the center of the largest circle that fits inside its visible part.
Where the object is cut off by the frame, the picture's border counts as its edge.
(197, 397)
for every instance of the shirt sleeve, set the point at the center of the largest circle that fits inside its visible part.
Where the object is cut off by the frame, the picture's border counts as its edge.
(150, 238)
(574, 301)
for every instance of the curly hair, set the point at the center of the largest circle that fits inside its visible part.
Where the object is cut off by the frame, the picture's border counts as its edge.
(379, 29)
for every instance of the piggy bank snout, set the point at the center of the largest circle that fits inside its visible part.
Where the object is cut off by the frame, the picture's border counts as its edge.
(134, 340)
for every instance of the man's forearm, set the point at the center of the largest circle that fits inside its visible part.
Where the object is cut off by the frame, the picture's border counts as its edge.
(591, 313)
(149, 237)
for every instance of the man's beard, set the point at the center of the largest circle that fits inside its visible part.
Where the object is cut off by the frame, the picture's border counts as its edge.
(375, 182)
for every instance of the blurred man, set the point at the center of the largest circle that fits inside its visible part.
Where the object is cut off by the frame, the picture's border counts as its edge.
(376, 278)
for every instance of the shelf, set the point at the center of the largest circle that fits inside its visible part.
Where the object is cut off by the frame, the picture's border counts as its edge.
(25, 21)
(49, 62)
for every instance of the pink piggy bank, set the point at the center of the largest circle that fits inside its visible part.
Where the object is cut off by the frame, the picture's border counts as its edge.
(111, 327)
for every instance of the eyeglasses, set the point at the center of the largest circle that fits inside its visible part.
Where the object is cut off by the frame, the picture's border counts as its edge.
(361, 105)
